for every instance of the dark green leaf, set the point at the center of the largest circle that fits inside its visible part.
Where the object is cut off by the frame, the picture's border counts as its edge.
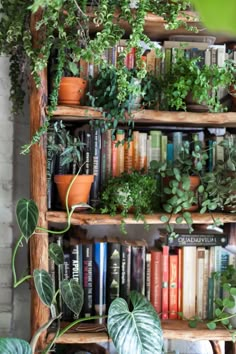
(72, 294)
(44, 286)
(142, 324)
(27, 216)
(56, 253)
(14, 346)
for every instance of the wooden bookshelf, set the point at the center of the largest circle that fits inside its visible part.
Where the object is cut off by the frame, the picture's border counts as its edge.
(172, 329)
(148, 116)
(104, 219)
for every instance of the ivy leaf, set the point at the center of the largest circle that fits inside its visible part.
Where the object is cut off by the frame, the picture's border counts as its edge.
(211, 325)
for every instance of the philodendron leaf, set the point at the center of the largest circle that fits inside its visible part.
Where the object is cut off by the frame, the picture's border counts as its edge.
(14, 345)
(211, 325)
(72, 294)
(137, 331)
(27, 216)
(56, 253)
(44, 286)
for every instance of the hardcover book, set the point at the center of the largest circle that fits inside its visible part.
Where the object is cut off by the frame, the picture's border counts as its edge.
(125, 270)
(138, 257)
(100, 275)
(156, 280)
(207, 239)
(87, 251)
(165, 283)
(113, 271)
(173, 286)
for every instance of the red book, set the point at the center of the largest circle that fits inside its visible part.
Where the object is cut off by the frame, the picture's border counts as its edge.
(173, 290)
(156, 279)
(165, 282)
(180, 280)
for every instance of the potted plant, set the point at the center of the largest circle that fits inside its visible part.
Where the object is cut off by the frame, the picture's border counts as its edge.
(182, 184)
(223, 175)
(189, 85)
(133, 192)
(69, 149)
(128, 326)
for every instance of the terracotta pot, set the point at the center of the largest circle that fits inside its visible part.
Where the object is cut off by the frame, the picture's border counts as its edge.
(71, 90)
(194, 106)
(194, 183)
(80, 188)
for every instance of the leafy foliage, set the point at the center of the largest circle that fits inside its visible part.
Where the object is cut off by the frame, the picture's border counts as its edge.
(44, 286)
(56, 253)
(14, 345)
(27, 217)
(136, 326)
(134, 192)
(73, 295)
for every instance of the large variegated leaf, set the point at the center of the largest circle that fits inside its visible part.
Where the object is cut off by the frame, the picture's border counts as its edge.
(27, 216)
(44, 286)
(14, 345)
(137, 331)
(72, 294)
(56, 253)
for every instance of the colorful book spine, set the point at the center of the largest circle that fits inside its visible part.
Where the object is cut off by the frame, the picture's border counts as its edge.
(100, 274)
(87, 251)
(177, 144)
(125, 271)
(173, 286)
(155, 145)
(113, 271)
(189, 281)
(148, 276)
(120, 136)
(128, 156)
(165, 282)
(136, 150)
(200, 281)
(142, 151)
(114, 159)
(156, 280)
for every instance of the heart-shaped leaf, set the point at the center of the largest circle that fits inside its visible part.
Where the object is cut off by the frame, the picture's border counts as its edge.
(14, 345)
(44, 286)
(137, 331)
(56, 253)
(72, 294)
(27, 216)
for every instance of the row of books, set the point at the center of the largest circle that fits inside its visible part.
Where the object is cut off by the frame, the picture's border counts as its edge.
(175, 279)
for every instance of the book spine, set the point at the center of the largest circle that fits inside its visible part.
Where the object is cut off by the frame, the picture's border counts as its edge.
(173, 290)
(148, 277)
(106, 152)
(87, 251)
(114, 163)
(165, 282)
(142, 151)
(67, 313)
(96, 156)
(200, 281)
(100, 274)
(136, 150)
(155, 145)
(156, 280)
(125, 272)
(189, 281)
(120, 136)
(180, 281)
(128, 156)
(113, 271)
(138, 257)
(76, 266)
(205, 284)
(50, 168)
(177, 144)
(88, 157)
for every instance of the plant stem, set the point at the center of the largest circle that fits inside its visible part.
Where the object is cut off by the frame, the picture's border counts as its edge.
(15, 282)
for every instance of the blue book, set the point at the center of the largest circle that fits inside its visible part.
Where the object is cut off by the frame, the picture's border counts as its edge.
(170, 154)
(100, 275)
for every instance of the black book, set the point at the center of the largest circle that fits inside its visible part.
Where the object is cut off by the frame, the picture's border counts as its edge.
(76, 265)
(197, 239)
(113, 271)
(125, 270)
(96, 165)
(67, 313)
(87, 250)
(138, 261)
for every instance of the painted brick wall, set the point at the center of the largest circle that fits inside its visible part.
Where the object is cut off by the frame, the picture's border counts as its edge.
(6, 201)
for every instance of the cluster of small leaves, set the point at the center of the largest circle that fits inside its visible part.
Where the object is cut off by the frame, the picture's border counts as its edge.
(203, 81)
(134, 191)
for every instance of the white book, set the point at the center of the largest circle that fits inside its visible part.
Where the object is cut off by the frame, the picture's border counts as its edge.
(186, 45)
(189, 281)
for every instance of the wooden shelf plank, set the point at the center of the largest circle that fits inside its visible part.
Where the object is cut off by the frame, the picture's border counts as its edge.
(104, 219)
(172, 329)
(148, 116)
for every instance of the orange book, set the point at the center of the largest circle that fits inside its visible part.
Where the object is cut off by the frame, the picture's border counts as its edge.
(180, 280)
(128, 156)
(136, 150)
(173, 283)
(165, 282)
(114, 168)
(156, 279)
(120, 136)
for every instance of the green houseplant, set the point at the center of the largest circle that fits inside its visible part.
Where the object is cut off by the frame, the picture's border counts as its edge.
(133, 192)
(69, 150)
(182, 185)
(59, 26)
(202, 81)
(136, 324)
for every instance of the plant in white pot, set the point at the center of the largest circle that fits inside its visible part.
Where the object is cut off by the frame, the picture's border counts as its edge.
(69, 150)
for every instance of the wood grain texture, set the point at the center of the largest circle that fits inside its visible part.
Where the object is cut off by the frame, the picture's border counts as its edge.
(148, 116)
(38, 243)
(104, 219)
